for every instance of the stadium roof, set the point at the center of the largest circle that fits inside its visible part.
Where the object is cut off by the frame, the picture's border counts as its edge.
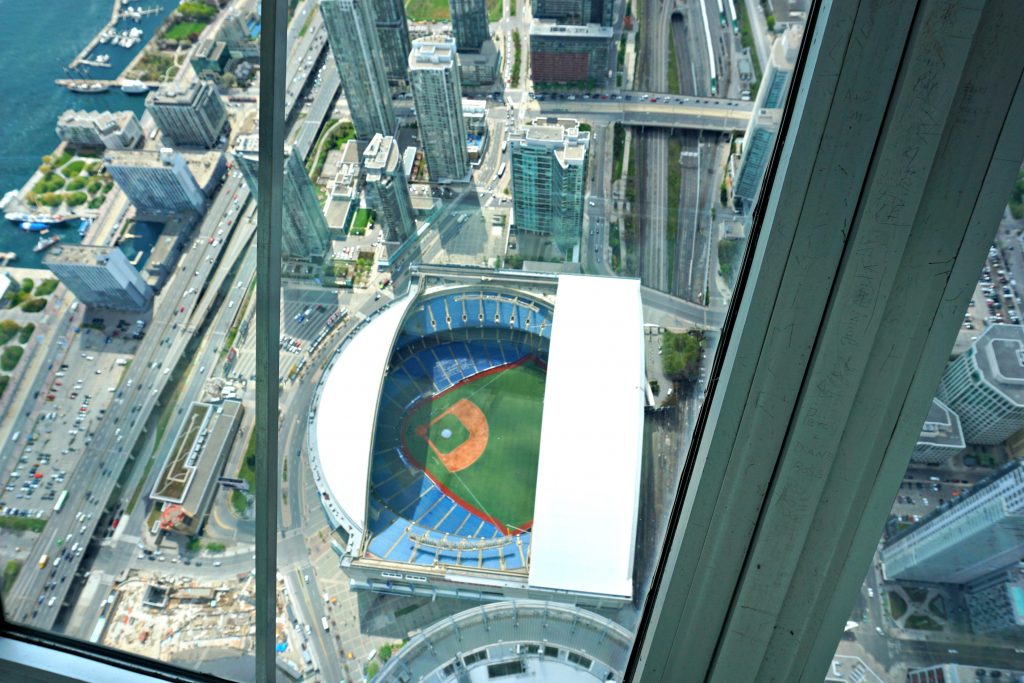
(588, 479)
(345, 414)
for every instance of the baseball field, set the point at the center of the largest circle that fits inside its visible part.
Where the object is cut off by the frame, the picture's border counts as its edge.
(479, 441)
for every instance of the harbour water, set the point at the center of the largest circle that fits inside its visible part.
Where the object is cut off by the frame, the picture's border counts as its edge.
(38, 39)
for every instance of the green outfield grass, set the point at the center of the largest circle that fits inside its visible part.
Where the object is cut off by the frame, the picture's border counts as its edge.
(502, 482)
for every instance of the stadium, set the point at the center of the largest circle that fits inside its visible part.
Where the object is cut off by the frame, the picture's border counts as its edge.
(480, 437)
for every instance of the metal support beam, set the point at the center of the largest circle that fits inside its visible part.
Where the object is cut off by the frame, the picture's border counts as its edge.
(273, 53)
(890, 181)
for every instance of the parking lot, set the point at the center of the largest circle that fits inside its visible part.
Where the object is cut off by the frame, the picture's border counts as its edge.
(68, 410)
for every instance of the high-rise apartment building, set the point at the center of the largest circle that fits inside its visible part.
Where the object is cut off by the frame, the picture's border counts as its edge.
(561, 53)
(941, 438)
(393, 34)
(357, 50)
(985, 385)
(156, 182)
(995, 603)
(102, 277)
(112, 130)
(387, 192)
(304, 232)
(549, 167)
(469, 23)
(764, 123)
(576, 11)
(434, 73)
(980, 533)
(191, 116)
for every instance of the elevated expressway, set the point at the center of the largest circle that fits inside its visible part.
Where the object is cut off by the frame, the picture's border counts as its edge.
(694, 114)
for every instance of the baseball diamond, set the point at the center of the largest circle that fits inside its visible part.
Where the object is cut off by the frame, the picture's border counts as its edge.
(479, 441)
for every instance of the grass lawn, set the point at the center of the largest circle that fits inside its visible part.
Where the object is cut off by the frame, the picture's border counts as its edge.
(921, 622)
(184, 30)
(502, 482)
(675, 180)
(438, 10)
(22, 524)
(897, 605)
(11, 570)
(673, 67)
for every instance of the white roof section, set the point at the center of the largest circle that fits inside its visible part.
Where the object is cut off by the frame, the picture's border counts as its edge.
(588, 478)
(342, 435)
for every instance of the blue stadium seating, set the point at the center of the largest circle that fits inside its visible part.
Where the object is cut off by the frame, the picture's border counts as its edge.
(405, 501)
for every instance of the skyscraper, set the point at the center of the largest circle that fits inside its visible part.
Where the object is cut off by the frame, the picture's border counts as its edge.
(434, 73)
(985, 385)
(192, 116)
(764, 123)
(387, 192)
(100, 276)
(549, 163)
(156, 182)
(393, 34)
(357, 51)
(304, 233)
(982, 532)
(469, 23)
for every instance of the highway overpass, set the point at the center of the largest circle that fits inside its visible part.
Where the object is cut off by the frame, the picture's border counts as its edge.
(690, 113)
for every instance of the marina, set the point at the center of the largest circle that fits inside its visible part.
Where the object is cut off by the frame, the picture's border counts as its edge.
(116, 46)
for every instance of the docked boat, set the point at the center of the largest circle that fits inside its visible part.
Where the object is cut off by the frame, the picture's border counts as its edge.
(29, 220)
(132, 86)
(83, 226)
(88, 88)
(45, 243)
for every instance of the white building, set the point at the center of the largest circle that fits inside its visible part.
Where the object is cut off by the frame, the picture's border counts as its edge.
(982, 532)
(434, 73)
(112, 130)
(100, 276)
(387, 192)
(191, 116)
(157, 183)
(985, 385)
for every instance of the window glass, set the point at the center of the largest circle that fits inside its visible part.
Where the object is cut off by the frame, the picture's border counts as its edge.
(536, 216)
(126, 376)
(943, 599)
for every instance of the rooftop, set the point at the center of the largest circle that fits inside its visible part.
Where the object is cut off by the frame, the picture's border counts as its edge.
(554, 29)
(606, 411)
(177, 94)
(999, 354)
(83, 254)
(941, 427)
(381, 155)
(432, 52)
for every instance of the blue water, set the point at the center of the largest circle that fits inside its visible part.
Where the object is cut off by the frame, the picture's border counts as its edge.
(37, 39)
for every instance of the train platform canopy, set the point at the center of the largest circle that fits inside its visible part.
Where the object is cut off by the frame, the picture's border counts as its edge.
(588, 479)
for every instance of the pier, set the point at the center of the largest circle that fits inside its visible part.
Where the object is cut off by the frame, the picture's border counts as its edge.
(82, 59)
(6, 257)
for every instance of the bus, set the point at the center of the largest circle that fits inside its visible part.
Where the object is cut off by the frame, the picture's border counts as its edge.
(501, 169)
(60, 501)
(325, 624)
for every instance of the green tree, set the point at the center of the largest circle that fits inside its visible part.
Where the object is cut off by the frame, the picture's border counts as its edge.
(10, 357)
(33, 305)
(25, 334)
(680, 355)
